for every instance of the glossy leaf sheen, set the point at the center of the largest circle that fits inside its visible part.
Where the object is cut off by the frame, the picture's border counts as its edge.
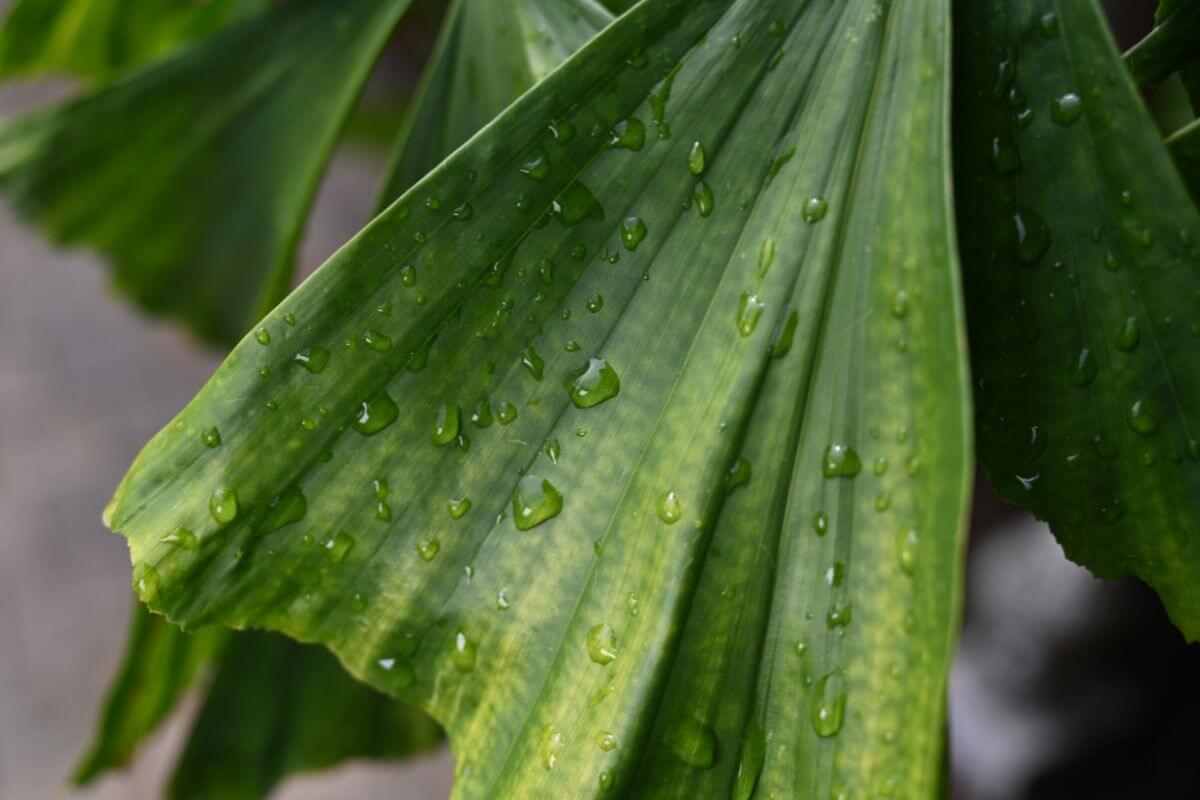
(1084, 332)
(193, 176)
(643, 636)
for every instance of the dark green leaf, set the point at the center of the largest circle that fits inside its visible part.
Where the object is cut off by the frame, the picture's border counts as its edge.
(97, 38)
(1174, 42)
(636, 493)
(1080, 248)
(488, 53)
(161, 663)
(194, 176)
(277, 707)
(1184, 145)
(274, 707)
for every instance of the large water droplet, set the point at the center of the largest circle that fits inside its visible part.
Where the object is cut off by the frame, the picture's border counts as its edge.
(593, 383)
(459, 507)
(606, 741)
(814, 209)
(840, 461)
(182, 538)
(223, 505)
(446, 424)
(630, 134)
(1083, 369)
(1129, 335)
(828, 705)
(338, 546)
(211, 437)
(533, 362)
(575, 204)
(537, 166)
(534, 501)
(1142, 418)
(633, 230)
(464, 652)
(1066, 108)
(377, 341)
(602, 644)
(284, 509)
(702, 195)
(376, 414)
(697, 159)
(313, 359)
(750, 308)
(907, 541)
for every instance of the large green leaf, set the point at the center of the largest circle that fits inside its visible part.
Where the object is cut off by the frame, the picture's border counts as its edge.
(728, 554)
(488, 53)
(1080, 248)
(272, 708)
(161, 663)
(1171, 45)
(1184, 146)
(96, 38)
(194, 175)
(278, 707)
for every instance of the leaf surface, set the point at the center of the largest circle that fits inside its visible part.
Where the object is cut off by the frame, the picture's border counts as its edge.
(1171, 45)
(632, 441)
(1080, 252)
(98, 38)
(194, 176)
(487, 54)
(1184, 146)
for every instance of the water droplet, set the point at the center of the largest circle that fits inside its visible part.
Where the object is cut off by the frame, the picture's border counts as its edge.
(1028, 237)
(820, 523)
(211, 437)
(464, 652)
(532, 362)
(750, 308)
(181, 538)
(633, 230)
(428, 548)
(595, 303)
(576, 203)
(285, 509)
(377, 341)
(814, 209)
(376, 414)
(750, 762)
(840, 461)
(290, 319)
(534, 501)
(463, 212)
(669, 508)
(398, 674)
(1048, 24)
(313, 359)
(502, 601)
(262, 336)
(537, 166)
(446, 425)
(606, 741)
(784, 343)
(702, 194)
(552, 744)
(1005, 158)
(828, 705)
(593, 383)
(602, 644)
(1083, 368)
(899, 307)
(738, 475)
(907, 540)
(1142, 418)
(1066, 108)
(506, 412)
(146, 581)
(1129, 335)
(459, 507)
(696, 159)
(839, 614)
(223, 505)
(883, 500)
(691, 741)
(336, 547)
(630, 134)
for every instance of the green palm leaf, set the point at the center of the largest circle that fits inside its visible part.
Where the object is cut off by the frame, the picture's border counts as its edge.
(631, 441)
(200, 211)
(1079, 248)
(98, 38)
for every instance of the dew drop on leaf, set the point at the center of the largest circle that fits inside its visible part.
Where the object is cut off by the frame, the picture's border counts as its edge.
(593, 383)
(633, 231)
(182, 538)
(750, 308)
(840, 461)
(702, 195)
(464, 652)
(262, 336)
(606, 741)
(697, 159)
(691, 741)
(376, 414)
(534, 501)
(338, 546)
(1142, 418)
(1066, 108)
(313, 359)
(211, 437)
(1129, 335)
(446, 424)
(669, 509)
(814, 209)
(602, 644)
(1028, 236)
(907, 540)
(223, 505)
(828, 705)
(458, 508)
(428, 548)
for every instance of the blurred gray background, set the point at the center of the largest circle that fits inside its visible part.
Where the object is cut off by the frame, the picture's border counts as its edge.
(1064, 686)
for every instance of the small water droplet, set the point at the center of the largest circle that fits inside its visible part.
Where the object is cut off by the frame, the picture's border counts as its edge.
(606, 741)
(464, 652)
(907, 541)
(262, 336)
(428, 548)
(376, 414)
(211, 437)
(446, 424)
(506, 412)
(1142, 418)
(336, 547)
(750, 308)
(377, 341)
(1083, 368)
(602, 644)
(313, 359)
(696, 159)
(630, 134)
(1066, 108)
(814, 209)
(820, 523)
(459, 507)
(181, 538)
(1028, 237)
(537, 166)
(1129, 335)
(633, 231)
(669, 509)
